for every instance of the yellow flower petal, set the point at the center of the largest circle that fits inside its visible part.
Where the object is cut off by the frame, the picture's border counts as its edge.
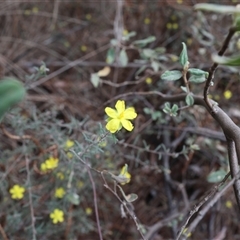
(113, 125)
(120, 106)
(130, 113)
(112, 113)
(127, 125)
(125, 175)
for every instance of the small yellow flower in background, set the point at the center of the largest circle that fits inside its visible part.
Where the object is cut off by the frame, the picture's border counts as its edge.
(227, 94)
(69, 144)
(189, 41)
(148, 80)
(57, 216)
(147, 21)
(88, 16)
(80, 184)
(17, 192)
(228, 204)
(174, 58)
(175, 25)
(125, 175)
(49, 164)
(69, 155)
(179, 1)
(88, 211)
(35, 9)
(120, 117)
(66, 44)
(43, 167)
(125, 32)
(172, 26)
(83, 48)
(60, 175)
(169, 25)
(59, 192)
(27, 12)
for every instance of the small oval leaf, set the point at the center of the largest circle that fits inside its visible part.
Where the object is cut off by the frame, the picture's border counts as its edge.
(131, 197)
(197, 78)
(123, 58)
(12, 91)
(171, 75)
(216, 176)
(216, 8)
(189, 99)
(95, 80)
(183, 56)
(229, 61)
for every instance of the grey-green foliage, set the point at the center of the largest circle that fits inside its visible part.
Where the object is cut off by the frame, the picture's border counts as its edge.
(12, 91)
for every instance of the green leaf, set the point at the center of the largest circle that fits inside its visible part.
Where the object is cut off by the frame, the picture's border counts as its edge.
(12, 92)
(95, 79)
(183, 59)
(216, 176)
(128, 36)
(171, 75)
(130, 197)
(110, 55)
(189, 99)
(148, 52)
(229, 61)
(140, 70)
(174, 108)
(123, 58)
(184, 89)
(155, 65)
(197, 71)
(73, 198)
(197, 78)
(143, 42)
(216, 8)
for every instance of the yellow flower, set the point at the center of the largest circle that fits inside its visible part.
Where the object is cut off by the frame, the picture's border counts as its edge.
(51, 163)
(124, 175)
(43, 167)
(120, 117)
(57, 216)
(88, 16)
(17, 192)
(227, 94)
(148, 80)
(175, 25)
(59, 192)
(88, 211)
(228, 204)
(147, 21)
(179, 1)
(83, 48)
(69, 144)
(125, 32)
(60, 175)
(80, 184)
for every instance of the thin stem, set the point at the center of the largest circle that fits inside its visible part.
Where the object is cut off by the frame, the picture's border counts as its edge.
(95, 203)
(34, 233)
(233, 162)
(200, 204)
(214, 66)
